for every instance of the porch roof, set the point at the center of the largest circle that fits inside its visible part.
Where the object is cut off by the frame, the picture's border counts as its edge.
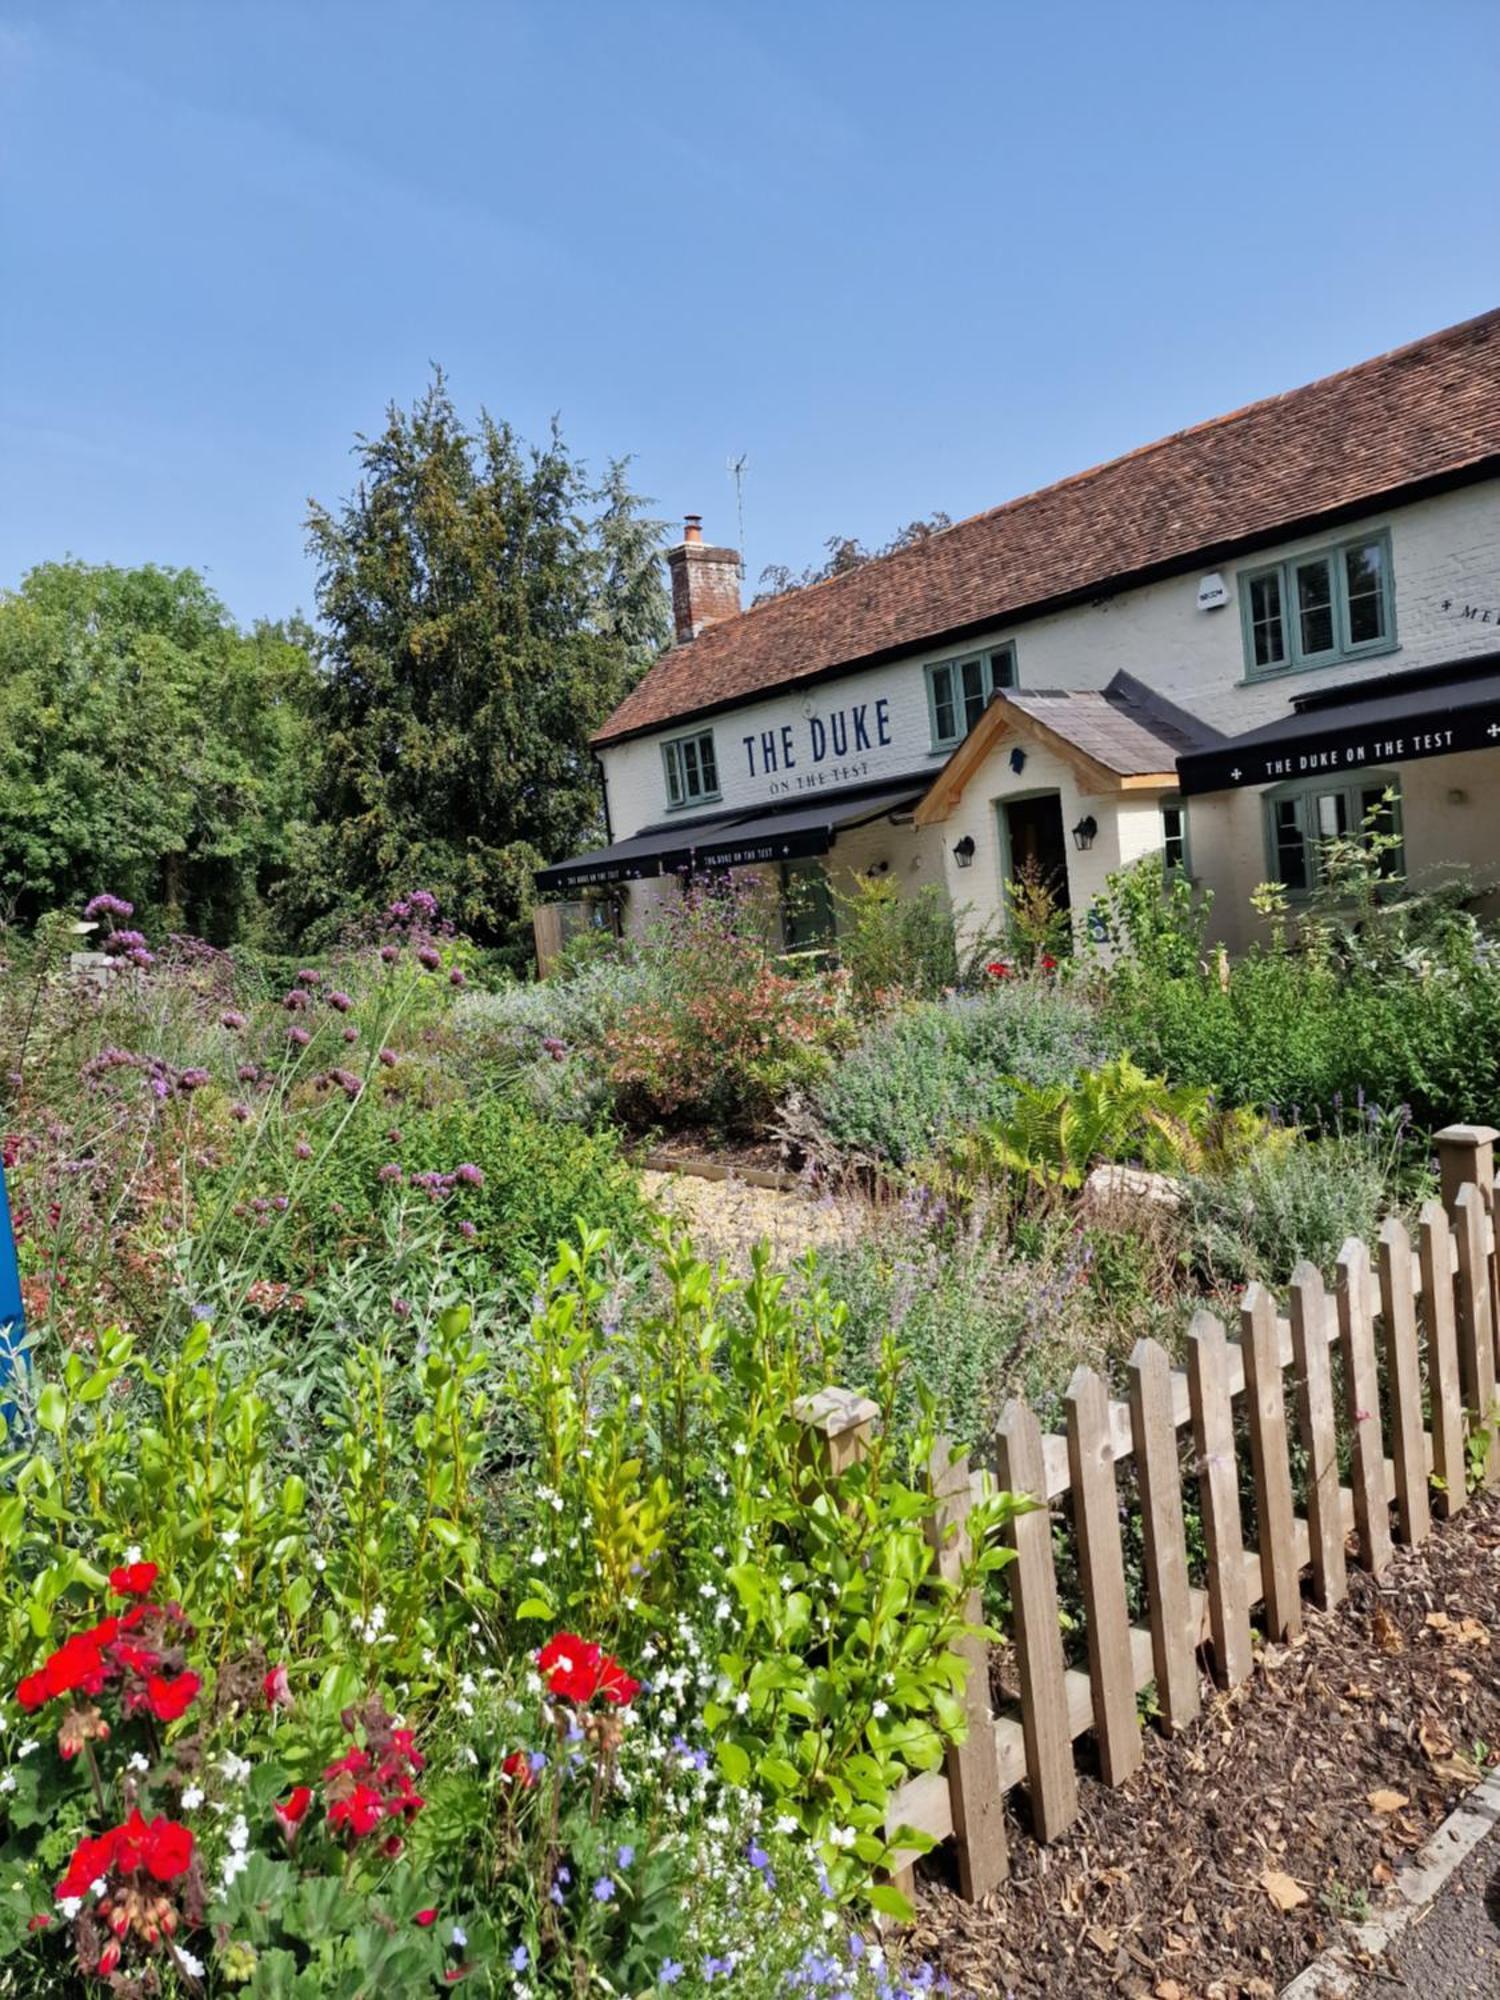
(1396, 719)
(1122, 738)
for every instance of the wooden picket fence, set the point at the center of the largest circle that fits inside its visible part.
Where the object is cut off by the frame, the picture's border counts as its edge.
(1419, 1340)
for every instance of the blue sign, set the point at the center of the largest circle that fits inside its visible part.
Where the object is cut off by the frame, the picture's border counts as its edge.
(12, 1316)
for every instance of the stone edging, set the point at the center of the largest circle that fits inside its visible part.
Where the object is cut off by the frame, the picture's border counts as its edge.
(1334, 1976)
(716, 1170)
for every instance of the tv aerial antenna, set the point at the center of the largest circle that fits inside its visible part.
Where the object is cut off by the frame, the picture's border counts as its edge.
(736, 470)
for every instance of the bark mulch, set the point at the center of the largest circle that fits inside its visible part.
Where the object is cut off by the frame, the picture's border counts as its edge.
(1237, 1852)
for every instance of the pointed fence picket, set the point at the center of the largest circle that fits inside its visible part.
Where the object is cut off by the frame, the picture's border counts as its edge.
(1432, 1370)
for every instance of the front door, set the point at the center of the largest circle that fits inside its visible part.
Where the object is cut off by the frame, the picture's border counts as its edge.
(1036, 845)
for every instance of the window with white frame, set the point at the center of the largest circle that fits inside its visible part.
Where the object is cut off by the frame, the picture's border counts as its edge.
(1174, 837)
(1301, 819)
(692, 771)
(958, 691)
(1317, 609)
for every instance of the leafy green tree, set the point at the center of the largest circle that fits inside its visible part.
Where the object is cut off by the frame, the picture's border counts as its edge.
(147, 746)
(483, 609)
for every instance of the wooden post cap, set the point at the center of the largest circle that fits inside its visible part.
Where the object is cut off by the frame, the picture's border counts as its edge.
(835, 1411)
(1466, 1135)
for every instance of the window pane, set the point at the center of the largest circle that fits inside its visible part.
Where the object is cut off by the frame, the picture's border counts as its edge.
(944, 720)
(1315, 606)
(706, 764)
(1332, 814)
(690, 782)
(1003, 668)
(975, 694)
(674, 776)
(1174, 836)
(1364, 577)
(1291, 849)
(1268, 638)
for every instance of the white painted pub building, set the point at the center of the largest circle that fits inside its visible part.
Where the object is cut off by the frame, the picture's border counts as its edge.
(1223, 648)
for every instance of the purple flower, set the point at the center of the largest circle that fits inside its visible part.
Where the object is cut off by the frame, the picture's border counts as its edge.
(388, 1058)
(624, 1857)
(192, 1079)
(298, 1037)
(390, 953)
(280, 1202)
(401, 1308)
(239, 1113)
(351, 1034)
(555, 1048)
(340, 1002)
(520, 1958)
(604, 1890)
(107, 906)
(427, 957)
(123, 941)
(138, 955)
(391, 1171)
(307, 977)
(458, 977)
(232, 1019)
(672, 1970)
(469, 1174)
(467, 1231)
(302, 1150)
(295, 1000)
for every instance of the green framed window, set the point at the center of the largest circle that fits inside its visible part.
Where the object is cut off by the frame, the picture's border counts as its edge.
(1300, 818)
(692, 769)
(1176, 858)
(1317, 609)
(958, 691)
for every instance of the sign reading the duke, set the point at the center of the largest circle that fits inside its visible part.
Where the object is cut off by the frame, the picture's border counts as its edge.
(821, 749)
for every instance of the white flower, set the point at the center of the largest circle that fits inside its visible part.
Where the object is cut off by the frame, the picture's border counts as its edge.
(138, 1762)
(235, 1768)
(98, 1886)
(193, 1967)
(538, 1558)
(842, 1836)
(234, 1866)
(70, 1906)
(191, 1797)
(320, 1563)
(786, 1824)
(8, 1782)
(460, 1936)
(239, 1834)
(880, 1709)
(4, 1725)
(469, 1754)
(742, 1703)
(133, 1553)
(229, 1537)
(28, 1746)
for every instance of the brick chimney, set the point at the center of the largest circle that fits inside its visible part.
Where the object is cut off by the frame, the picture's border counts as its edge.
(705, 582)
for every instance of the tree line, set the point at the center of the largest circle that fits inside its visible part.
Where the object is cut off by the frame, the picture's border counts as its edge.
(482, 606)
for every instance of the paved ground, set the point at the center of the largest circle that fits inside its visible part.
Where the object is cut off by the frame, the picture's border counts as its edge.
(1454, 1952)
(727, 1217)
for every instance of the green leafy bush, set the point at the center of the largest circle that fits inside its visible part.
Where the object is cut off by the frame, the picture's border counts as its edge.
(1054, 1133)
(940, 1067)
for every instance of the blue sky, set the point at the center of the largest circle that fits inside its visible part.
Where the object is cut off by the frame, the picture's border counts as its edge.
(904, 257)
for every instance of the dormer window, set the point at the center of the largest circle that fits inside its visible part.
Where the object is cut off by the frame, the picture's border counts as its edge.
(692, 769)
(958, 692)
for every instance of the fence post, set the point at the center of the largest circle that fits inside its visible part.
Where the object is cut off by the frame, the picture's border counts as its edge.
(1219, 1491)
(1270, 1463)
(1442, 1359)
(1466, 1158)
(1101, 1566)
(1403, 1379)
(1320, 1438)
(842, 1420)
(1036, 1631)
(1174, 1632)
(974, 1794)
(1476, 1322)
(1372, 1513)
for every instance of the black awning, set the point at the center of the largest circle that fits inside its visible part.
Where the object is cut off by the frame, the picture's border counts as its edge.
(741, 840)
(1398, 719)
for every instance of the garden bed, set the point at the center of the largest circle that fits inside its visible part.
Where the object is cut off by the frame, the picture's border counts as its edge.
(1232, 1858)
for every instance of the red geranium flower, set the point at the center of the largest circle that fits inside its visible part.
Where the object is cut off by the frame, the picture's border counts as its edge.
(1049, 964)
(277, 1688)
(167, 1699)
(998, 969)
(133, 1579)
(576, 1670)
(291, 1812)
(517, 1766)
(362, 1811)
(426, 1918)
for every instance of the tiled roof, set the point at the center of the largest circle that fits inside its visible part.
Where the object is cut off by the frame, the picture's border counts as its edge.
(1427, 412)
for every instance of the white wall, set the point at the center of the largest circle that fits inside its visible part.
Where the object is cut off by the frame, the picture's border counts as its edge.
(1446, 556)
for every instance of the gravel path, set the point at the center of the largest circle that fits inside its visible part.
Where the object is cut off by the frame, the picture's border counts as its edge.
(727, 1218)
(1454, 1952)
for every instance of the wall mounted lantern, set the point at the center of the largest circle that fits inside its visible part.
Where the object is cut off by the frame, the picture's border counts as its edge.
(963, 851)
(1083, 833)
